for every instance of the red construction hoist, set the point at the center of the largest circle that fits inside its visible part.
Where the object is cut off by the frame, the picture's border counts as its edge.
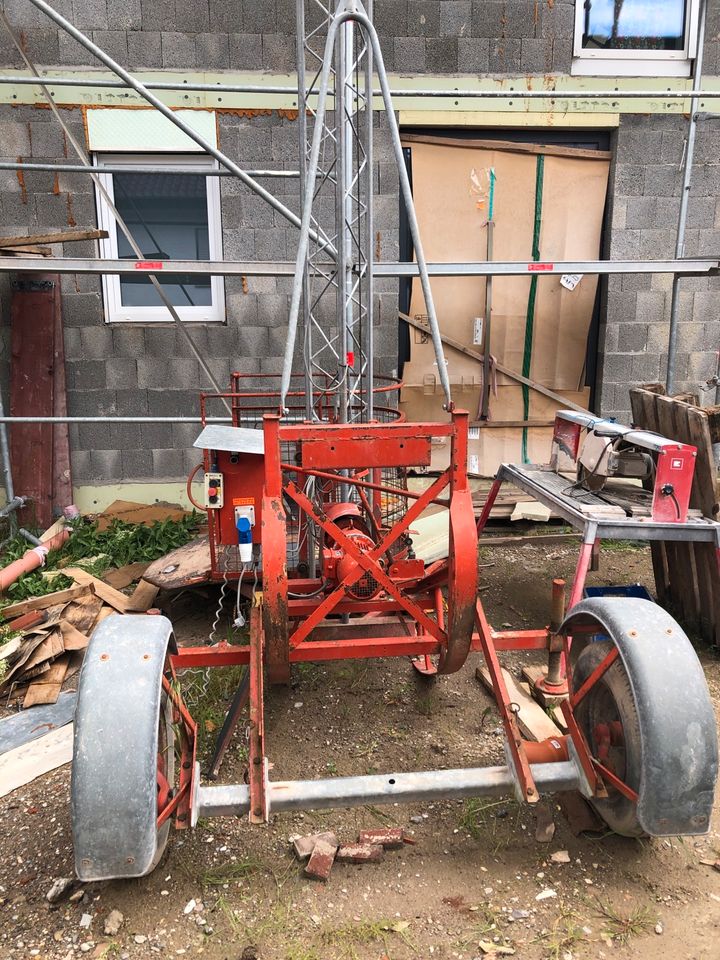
(311, 517)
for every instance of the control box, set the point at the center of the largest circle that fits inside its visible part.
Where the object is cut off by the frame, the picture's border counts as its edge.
(214, 491)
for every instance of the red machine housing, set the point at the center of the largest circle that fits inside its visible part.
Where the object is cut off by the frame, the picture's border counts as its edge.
(673, 464)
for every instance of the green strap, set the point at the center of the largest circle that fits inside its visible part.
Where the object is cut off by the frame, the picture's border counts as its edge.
(530, 316)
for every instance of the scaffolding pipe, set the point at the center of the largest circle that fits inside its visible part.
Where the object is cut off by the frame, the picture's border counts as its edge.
(173, 117)
(701, 266)
(5, 457)
(685, 200)
(436, 92)
(127, 168)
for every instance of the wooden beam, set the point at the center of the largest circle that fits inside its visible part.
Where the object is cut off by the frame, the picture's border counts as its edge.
(565, 404)
(40, 603)
(64, 236)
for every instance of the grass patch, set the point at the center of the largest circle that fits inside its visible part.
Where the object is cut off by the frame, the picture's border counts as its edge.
(567, 931)
(622, 926)
(208, 694)
(480, 814)
(230, 871)
(349, 936)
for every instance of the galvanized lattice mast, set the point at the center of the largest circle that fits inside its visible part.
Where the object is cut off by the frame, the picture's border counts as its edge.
(337, 295)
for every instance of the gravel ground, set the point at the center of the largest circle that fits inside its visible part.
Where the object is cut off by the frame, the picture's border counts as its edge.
(474, 883)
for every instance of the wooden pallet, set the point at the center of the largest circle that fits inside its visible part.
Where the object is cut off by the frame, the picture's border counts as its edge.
(687, 578)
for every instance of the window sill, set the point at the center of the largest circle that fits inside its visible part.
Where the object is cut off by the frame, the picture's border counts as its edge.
(630, 67)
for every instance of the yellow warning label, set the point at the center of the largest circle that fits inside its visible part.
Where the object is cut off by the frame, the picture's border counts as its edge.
(244, 501)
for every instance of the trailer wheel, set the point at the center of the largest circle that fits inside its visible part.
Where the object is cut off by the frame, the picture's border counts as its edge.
(608, 718)
(648, 719)
(123, 772)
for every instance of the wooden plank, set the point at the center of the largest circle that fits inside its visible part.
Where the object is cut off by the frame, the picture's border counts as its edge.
(186, 566)
(124, 576)
(103, 590)
(30, 250)
(32, 318)
(705, 495)
(545, 539)
(534, 723)
(83, 613)
(63, 236)
(53, 530)
(105, 612)
(143, 597)
(72, 638)
(29, 646)
(509, 146)
(41, 603)
(713, 415)
(24, 764)
(47, 689)
(50, 648)
(564, 403)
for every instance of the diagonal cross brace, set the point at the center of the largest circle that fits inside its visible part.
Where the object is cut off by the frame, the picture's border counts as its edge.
(367, 562)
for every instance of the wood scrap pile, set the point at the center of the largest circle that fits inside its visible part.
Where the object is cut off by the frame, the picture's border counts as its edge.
(49, 634)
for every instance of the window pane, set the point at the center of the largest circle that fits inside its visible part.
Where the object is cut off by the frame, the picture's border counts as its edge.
(634, 24)
(167, 215)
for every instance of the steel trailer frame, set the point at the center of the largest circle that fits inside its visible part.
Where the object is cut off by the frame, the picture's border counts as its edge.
(405, 613)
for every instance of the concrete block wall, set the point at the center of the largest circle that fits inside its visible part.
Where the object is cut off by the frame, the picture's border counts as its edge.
(645, 189)
(149, 370)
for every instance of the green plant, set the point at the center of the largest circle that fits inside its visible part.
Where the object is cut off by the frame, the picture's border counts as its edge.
(567, 930)
(348, 936)
(232, 870)
(622, 926)
(97, 551)
(479, 813)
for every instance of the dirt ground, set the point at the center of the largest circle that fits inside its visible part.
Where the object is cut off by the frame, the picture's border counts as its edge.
(229, 891)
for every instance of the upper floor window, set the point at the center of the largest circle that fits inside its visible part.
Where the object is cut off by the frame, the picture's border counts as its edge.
(173, 214)
(635, 37)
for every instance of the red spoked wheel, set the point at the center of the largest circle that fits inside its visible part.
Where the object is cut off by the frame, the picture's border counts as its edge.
(165, 775)
(607, 717)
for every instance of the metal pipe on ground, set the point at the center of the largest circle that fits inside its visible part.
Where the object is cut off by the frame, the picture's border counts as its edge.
(685, 198)
(30, 560)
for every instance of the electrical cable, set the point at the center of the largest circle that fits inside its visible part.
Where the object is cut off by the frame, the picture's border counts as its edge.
(188, 488)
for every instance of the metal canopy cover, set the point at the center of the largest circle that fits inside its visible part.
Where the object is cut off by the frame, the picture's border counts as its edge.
(232, 439)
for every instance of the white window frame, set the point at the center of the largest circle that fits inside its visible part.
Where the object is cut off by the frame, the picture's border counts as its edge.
(115, 312)
(636, 63)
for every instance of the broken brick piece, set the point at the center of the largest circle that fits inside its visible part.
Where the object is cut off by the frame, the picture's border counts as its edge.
(321, 860)
(390, 839)
(360, 853)
(304, 846)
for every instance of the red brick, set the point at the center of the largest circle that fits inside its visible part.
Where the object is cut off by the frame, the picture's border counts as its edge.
(304, 846)
(390, 839)
(321, 860)
(360, 853)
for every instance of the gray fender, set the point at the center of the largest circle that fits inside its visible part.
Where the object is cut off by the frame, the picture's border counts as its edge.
(677, 725)
(114, 771)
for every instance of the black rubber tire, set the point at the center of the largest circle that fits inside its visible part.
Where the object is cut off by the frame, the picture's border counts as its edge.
(611, 698)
